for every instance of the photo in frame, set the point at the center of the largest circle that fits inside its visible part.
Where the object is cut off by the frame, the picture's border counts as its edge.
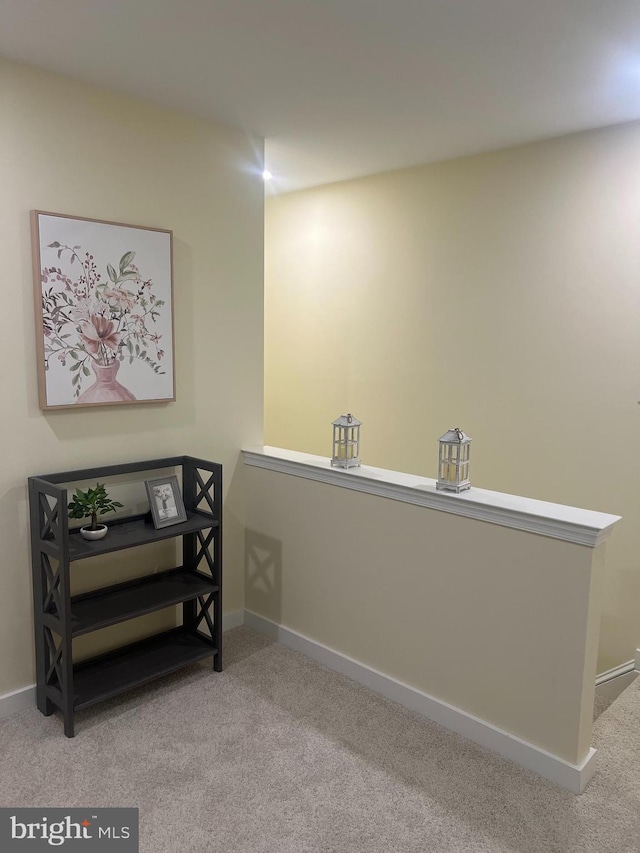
(165, 501)
(104, 312)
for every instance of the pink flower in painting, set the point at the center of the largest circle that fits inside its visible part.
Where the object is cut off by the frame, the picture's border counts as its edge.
(120, 298)
(99, 331)
(86, 308)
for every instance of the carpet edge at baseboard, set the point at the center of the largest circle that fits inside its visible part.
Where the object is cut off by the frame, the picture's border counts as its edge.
(572, 777)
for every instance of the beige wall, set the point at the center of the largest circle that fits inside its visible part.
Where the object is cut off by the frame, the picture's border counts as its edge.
(70, 148)
(497, 622)
(499, 293)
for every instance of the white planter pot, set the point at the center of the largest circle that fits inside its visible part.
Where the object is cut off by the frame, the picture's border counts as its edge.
(100, 533)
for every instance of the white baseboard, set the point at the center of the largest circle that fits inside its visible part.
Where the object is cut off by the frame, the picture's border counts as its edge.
(24, 698)
(232, 620)
(572, 777)
(610, 684)
(611, 689)
(17, 700)
(637, 661)
(616, 671)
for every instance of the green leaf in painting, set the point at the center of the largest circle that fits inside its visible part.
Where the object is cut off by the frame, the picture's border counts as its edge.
(112, 273)
(125, 260)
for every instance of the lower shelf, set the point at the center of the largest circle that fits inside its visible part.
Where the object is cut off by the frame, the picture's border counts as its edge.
(130, 666)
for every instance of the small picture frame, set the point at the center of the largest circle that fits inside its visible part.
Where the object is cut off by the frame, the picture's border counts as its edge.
(165, 501)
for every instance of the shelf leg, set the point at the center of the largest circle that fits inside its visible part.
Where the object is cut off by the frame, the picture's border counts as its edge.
(45, 706)
(69, 727)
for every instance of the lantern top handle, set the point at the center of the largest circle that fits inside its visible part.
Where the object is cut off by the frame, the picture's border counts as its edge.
(347, 420)
(455, 436)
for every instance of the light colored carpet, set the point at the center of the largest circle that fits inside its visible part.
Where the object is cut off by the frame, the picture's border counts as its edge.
(278, 755)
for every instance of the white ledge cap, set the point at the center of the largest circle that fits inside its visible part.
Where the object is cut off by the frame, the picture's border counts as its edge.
(582, 526)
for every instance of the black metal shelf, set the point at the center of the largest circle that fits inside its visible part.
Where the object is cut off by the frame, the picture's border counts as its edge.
(59, 617)
(133, 531)
(130, 666)
(110, 605)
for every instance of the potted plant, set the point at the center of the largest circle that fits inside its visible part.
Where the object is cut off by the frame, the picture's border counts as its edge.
(91, 504)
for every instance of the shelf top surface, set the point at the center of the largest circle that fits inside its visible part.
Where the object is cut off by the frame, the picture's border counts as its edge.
(109, 605)
(130, 666)
(127, 468)
(131, 532)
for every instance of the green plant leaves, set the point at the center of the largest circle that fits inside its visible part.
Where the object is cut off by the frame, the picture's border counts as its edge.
(92, 502)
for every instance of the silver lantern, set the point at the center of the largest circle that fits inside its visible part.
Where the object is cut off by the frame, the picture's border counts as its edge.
(453, 461)
(346, 442)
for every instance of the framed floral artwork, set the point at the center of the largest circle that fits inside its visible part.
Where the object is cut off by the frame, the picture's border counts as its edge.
(165, 501)
(104, 312)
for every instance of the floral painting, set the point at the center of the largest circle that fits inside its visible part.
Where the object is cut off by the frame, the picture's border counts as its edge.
(104, 312)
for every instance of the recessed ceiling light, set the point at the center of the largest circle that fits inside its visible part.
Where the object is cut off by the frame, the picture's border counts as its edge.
(266, 175)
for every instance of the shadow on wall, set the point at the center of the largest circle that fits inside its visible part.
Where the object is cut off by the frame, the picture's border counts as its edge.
(263, 575)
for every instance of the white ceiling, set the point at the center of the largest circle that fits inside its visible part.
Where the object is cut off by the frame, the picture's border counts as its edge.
(342, 88)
